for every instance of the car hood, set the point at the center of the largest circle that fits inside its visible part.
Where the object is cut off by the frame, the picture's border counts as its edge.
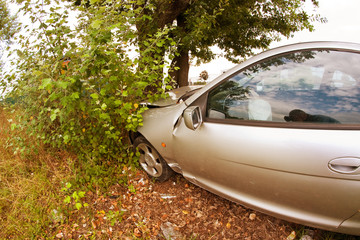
(174, 96)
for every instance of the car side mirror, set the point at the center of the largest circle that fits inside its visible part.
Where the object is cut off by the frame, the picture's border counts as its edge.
(192, 117)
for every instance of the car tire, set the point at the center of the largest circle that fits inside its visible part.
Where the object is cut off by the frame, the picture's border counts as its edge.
(151, 161)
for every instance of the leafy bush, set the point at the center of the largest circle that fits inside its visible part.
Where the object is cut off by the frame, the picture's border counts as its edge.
(81, 85)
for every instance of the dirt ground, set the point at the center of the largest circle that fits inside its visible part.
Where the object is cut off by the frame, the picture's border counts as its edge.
(175, 209)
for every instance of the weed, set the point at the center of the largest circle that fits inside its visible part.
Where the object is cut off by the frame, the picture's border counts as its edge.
(131, 188)
(114, 217)
(74, 198)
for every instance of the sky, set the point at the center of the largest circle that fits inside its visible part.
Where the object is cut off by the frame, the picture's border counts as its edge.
(343, 25)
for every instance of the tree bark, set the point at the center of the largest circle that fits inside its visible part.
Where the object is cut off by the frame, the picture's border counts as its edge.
(180, 64)
(181, 75)
(168, 11)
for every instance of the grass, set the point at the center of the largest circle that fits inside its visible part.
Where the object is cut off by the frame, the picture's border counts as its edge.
(42, 189)
(30, 185)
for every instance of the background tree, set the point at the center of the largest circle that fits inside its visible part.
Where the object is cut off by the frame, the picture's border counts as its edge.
(235, 26)
(7, 23)
(7, 31)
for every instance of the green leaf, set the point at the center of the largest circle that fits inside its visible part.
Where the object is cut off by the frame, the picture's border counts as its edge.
(75, 95)
(141, 84)
(53, 116)
(103, 106)
(104, 116)
(37, 73)
(20, 54)
(96, 24)
(78, 206)
(105, 72)
(94, 96)
(67, 199)
(13, 126)
(118, 102)
(45, 83)
(75, 196)
(66, 138)
(62, 84)
(81, 194)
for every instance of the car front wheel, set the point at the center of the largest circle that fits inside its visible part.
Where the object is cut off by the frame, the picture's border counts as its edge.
(151, 161)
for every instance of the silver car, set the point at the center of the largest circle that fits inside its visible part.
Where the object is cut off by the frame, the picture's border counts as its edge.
(278, 133)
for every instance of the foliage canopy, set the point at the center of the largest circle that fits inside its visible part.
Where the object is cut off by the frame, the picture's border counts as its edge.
(235, 26)
(7, 23)
(8, 28)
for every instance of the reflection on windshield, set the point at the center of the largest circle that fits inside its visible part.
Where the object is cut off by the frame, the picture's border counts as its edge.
(323, 84)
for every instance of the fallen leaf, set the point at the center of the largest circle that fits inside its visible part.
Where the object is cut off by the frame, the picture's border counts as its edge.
(93, 224)
(292, 236)
(137, 232)
(199, 214)
(228, 225)
(60, 235)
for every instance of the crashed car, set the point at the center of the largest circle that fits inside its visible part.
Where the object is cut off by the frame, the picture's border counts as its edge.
(278, 133)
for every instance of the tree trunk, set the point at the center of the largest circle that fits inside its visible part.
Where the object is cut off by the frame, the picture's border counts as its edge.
(181, 75)
(180, 64)
(166, 13)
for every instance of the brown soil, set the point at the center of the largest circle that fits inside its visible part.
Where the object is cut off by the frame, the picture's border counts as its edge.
(175, 209)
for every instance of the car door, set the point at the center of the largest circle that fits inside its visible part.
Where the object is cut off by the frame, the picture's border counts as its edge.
(253, 148)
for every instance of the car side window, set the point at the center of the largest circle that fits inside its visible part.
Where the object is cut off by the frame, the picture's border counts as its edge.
(317, 86)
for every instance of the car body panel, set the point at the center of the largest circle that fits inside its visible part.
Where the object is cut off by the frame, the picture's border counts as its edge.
(173, 96)
(269, 183)
(307, 174)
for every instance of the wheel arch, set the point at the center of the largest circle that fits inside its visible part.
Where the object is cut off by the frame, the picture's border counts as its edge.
(134, 135)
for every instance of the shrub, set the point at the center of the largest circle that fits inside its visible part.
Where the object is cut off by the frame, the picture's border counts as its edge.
(80, 86)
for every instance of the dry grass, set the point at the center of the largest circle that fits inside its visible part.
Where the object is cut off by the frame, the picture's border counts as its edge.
(30, 183)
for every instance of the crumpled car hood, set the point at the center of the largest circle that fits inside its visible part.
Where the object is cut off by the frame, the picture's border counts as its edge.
(174, 96)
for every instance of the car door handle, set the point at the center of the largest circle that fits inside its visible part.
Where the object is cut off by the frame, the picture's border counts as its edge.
(346, 165)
